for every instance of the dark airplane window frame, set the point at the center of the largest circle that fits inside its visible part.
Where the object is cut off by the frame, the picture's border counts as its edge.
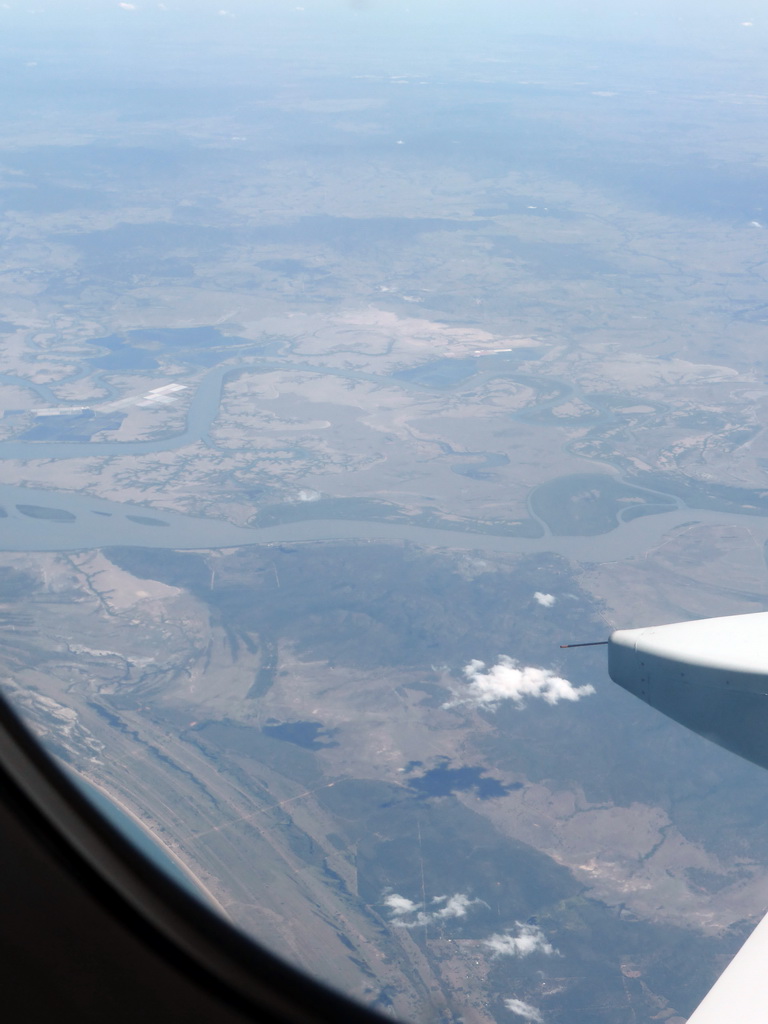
(223, 974)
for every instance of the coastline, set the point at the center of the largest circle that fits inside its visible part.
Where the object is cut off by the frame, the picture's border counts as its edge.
(199, 887)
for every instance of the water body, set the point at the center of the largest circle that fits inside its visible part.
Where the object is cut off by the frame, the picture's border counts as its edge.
(310, 735)
(72, 427)
(203, 410)
(593, 503)
(480, 470)
(98, 523)
(442, 374)
(40, 520)
(137, 836)
(202, 413)
(443, 781)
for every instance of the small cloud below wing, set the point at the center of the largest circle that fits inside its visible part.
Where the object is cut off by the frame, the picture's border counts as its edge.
(509, 680)
(530, 1013)
(405, 913)
(529, 939)
(399, 906)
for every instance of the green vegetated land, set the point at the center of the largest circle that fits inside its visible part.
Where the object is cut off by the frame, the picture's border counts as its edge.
(373, 604)
(375, 510)
(701, 494)
(587, 504)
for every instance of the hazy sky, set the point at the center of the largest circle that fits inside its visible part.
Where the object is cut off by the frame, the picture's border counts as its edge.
(405, 23)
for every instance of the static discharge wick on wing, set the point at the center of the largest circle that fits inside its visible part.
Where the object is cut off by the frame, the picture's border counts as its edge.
(589, 643)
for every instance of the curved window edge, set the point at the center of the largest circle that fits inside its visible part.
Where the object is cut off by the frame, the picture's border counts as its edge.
(85, 912)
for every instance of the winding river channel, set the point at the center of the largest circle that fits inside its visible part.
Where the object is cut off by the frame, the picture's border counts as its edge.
(83, 522)
(44, 520)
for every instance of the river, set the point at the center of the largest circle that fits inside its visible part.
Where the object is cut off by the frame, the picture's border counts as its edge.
(96, 523)
(44, 520)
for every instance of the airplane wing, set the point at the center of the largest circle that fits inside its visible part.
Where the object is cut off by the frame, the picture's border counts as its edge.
(741, 992)
(711, 675)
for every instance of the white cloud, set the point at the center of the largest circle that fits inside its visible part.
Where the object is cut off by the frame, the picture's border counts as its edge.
(508, 680)
(399, 905)
(439, 909)
(455, 906)
(529, 939)
(545, 600)
(522, 1009)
